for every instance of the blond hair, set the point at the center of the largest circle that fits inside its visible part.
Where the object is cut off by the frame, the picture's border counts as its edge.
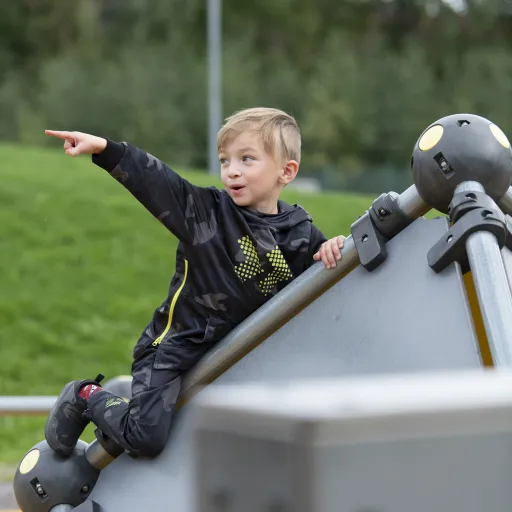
(278, 131)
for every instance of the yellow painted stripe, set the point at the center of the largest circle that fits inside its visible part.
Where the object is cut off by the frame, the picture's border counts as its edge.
(485, 351)
(171, 308)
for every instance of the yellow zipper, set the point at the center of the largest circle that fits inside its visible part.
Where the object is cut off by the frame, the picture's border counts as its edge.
(171, 309)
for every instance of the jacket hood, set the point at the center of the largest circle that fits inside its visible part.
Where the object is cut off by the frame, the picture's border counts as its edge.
(287, 217)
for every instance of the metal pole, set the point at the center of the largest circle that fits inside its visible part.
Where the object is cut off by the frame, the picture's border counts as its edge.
(97, 456)
(506, 202)
(270, 317)
(214, 37)
(412, 204)
(41, 405)
(493, 290)
(26, 405)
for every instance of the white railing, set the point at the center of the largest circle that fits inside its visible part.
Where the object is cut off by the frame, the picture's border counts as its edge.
(26, 405)
(41, 405)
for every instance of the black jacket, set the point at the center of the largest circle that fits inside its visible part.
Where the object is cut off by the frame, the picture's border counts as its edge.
(230, 260)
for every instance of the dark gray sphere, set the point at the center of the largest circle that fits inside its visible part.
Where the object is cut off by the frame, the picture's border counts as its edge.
(458, 148)
(44, 479)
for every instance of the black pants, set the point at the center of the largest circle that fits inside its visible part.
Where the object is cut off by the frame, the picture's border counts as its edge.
(142, 425)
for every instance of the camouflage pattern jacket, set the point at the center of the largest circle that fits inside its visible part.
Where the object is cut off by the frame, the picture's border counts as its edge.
(230, 260)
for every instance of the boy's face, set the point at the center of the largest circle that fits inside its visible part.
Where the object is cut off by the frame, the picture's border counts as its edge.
(251, 176)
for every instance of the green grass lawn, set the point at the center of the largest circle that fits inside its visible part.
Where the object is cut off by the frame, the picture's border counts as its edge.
(83, 266)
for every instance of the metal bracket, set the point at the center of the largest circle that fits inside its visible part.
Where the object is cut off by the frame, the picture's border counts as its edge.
(370, 243)
(464, 202)
(470, 212)
(387, 215)
(376, 227)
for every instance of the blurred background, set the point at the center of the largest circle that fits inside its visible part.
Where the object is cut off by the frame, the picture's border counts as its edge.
(362, 77)
(82, 265)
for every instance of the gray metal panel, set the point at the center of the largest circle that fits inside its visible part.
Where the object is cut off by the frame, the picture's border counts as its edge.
(267, 479)
(402, 316)
(457, 473)
(436, 442)
(469, 474)
(164, 484)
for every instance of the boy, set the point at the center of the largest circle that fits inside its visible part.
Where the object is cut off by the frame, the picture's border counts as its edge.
(237, 248)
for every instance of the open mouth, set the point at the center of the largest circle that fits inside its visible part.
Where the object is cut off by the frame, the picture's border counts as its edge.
(237, 187)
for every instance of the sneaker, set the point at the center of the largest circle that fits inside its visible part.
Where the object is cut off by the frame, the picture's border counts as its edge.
(66, 423)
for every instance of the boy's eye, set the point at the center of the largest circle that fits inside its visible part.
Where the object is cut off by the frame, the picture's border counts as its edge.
(247, 157)
(222, 161)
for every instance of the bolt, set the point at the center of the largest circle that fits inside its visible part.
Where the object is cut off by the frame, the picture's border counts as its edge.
(364, 239)
(39, 489)
(450, 238)
(221, 499)
(85, 488)
(383, 211)
(277, 506)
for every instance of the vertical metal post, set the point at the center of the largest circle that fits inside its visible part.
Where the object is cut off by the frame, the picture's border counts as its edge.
(214, 9)
(492, 288)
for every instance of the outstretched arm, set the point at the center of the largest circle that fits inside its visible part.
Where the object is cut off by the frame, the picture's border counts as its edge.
(182, 207)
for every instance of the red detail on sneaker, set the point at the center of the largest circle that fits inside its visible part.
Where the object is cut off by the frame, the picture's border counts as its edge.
(88, 390)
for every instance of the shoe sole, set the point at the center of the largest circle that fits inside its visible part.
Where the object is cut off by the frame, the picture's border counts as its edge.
(67, 395)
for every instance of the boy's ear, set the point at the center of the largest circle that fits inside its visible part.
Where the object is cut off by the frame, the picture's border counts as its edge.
(289, 172)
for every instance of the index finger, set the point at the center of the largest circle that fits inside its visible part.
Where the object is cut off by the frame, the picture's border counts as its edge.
(59, 134)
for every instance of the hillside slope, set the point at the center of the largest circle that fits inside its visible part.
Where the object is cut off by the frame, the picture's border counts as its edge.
(83, 265)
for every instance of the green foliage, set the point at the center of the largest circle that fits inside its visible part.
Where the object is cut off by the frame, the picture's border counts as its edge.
(83, 266)
(362, 78)
(141, 97)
